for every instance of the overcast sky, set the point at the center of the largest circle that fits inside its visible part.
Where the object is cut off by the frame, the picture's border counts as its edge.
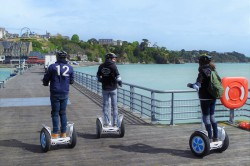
(213, 25)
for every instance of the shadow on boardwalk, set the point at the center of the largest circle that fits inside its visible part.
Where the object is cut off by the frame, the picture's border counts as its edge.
(13, 143)
(143, 148)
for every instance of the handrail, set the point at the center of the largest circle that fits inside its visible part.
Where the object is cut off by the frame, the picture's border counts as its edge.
(160, 106)
(158, 91)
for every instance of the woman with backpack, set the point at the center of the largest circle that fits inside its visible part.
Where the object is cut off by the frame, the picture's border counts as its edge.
(207, 101)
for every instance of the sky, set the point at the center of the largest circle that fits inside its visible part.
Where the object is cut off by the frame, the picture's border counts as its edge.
(213, 25)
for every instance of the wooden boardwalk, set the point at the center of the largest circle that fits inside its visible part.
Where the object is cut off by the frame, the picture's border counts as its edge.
(25, 107)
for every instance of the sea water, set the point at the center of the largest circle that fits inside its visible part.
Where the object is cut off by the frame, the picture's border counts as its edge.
(170, 76)
(5, 73)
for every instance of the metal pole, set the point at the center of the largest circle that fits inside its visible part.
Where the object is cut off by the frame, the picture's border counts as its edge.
(153, 107)
(19, 68)
(231, 116)
(132, 98)
(172, 109)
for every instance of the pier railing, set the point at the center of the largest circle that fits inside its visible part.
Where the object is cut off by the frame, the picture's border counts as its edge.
(164, 107)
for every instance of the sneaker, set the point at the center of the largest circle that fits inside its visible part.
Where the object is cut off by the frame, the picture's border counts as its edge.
(210, 140)
(115, 125)
(63, 135)
(54, 136)
(215, 139)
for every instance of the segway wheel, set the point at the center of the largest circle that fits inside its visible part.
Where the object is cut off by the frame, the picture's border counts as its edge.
(98, 128)
(45, 140)
(122, 130)
(225, 144)
(199, 144)
(73, 139)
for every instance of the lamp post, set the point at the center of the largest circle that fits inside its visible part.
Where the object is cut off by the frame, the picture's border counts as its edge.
(20, 58)
(20, 47)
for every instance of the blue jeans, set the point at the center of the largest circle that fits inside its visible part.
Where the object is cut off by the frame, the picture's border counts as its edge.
(113, 95)
(58, 106)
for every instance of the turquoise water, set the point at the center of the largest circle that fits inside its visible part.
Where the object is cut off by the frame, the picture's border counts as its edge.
(170, 76)
(5, 73)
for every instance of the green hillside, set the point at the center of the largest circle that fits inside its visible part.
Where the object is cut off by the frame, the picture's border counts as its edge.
(135, 52)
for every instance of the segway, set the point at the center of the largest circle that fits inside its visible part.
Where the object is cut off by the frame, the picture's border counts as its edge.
(101, 129)
(47, 141)
(200, 144)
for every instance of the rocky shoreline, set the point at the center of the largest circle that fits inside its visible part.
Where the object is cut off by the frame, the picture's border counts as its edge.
(83, 64)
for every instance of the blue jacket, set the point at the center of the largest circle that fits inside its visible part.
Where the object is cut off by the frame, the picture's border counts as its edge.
(60, 75)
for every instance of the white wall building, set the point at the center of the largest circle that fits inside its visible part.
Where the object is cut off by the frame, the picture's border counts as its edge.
(2, 58)
(110, 42)
(2, 33)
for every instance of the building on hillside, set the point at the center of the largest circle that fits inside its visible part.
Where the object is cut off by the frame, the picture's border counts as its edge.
(119, 43)
(80, 57)
(64, 37)
(46, 36)
(110, 42)
(148, 44)
(15, 50)
(1, 49)
(2, 33)
(2, 58)
(12, 35)
(37, 54)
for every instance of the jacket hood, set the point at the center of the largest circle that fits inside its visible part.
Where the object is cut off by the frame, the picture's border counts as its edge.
(62, 61)
(108, 62)
(207, 66)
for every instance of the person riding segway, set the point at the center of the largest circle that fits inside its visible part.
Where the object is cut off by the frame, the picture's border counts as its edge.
(59, 76)
(214, 137)
(109, 76)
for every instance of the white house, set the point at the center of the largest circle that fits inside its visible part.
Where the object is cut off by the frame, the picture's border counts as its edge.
(2, 32)
(2, 58)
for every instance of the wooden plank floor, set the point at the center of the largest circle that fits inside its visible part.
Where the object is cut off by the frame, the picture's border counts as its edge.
(143, 144)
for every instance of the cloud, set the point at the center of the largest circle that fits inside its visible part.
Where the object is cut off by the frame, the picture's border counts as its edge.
(170, 23)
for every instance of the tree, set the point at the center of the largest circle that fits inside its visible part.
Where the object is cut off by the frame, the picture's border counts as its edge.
(92, 41)
(75, 38)
(144, 44)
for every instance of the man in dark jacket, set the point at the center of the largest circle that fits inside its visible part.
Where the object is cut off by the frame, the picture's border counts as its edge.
(59, 75)
(109, 76)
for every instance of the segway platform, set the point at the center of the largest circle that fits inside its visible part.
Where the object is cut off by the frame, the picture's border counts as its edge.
(46, 140)
(101, 129)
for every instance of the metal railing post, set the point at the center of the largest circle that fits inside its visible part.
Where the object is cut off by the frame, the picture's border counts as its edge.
(92, 83)
(153, 119)
(88, 84)
(172, 109)
(141, 106)
(231, 115)
(123, 96)
(132, 91)
(98, 87)
(84, 80)
(81, 79)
